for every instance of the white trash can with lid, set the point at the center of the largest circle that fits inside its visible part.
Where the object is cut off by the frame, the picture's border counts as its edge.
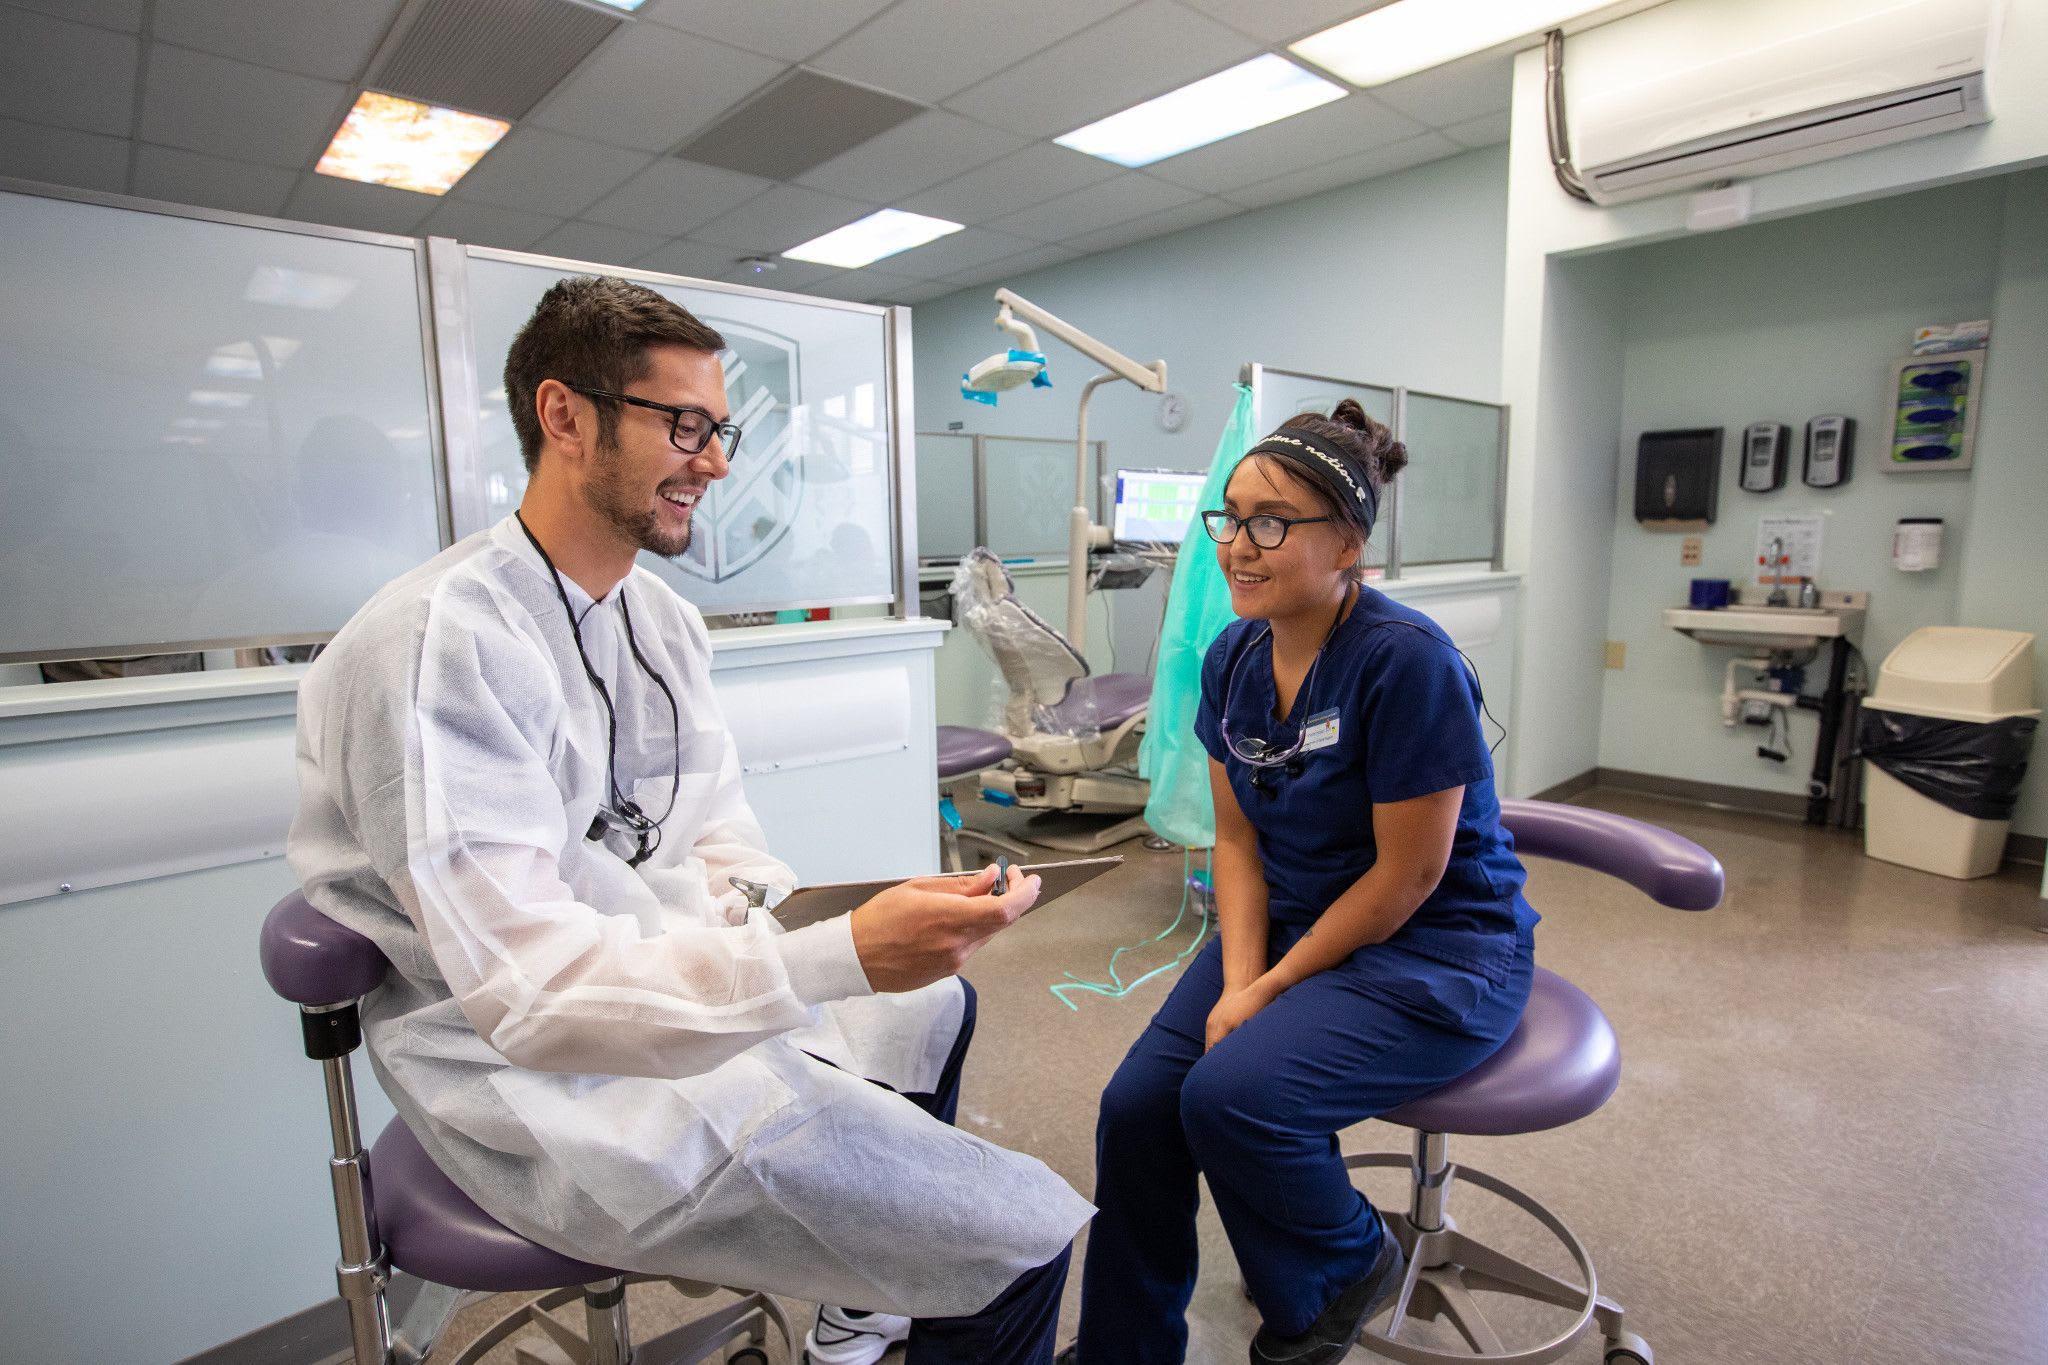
(1956, 673)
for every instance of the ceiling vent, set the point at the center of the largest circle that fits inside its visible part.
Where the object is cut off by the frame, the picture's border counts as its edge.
(803, 120)
(495, 57)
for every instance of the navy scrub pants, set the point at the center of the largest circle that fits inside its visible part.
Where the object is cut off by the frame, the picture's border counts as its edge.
(1259, 1117)
(1018, 1328)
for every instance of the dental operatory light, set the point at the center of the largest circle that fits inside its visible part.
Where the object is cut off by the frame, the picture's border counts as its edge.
(1250, 95)
(867, 240)
(1413, 35)
(386, 140)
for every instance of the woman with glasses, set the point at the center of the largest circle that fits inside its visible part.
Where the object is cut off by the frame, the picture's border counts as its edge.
(1374, 942)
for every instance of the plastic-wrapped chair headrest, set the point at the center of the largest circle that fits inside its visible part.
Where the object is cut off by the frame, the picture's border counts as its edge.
(1037, 663)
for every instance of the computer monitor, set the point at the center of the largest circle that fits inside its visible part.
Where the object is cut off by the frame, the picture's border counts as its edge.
(1155, 505)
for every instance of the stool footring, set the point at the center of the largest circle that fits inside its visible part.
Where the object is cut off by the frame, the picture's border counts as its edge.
(1445, 1266)
(751, 1315)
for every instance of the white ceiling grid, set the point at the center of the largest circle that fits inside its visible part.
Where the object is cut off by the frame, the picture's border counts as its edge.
(228, 103)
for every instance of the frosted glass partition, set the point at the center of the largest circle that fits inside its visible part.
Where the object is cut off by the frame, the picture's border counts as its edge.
(945, 494)
(1450, 490)
(1028, 492)
(211, 433)
(1280, 394)
(805, 518)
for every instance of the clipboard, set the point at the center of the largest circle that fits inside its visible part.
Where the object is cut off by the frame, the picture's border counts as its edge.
(811, 904)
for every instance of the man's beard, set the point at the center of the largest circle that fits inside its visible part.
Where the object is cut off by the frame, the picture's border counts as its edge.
(636, 522)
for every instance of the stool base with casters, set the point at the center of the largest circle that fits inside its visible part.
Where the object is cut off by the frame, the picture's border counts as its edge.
(1445, 1266)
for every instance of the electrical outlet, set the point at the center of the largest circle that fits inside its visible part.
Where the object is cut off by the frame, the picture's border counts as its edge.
(1689, 551)
(1617, 654)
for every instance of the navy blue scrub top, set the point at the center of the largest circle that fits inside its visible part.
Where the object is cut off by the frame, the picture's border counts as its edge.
(1407, 713)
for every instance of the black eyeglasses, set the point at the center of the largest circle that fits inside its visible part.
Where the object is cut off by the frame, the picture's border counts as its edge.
(1268, 532)
(690, 429)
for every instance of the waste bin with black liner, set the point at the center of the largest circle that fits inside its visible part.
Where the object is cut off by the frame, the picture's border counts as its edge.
(1946, 736)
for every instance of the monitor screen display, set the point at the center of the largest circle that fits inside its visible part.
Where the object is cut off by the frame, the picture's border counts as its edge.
(1156, 505)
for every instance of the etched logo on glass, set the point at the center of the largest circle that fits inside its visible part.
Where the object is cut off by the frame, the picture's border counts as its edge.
(749, 512)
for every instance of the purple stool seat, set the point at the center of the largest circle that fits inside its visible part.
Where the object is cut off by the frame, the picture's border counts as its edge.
(964, 749)
(1559, 1065)
(1105, 699)
(431, 1229)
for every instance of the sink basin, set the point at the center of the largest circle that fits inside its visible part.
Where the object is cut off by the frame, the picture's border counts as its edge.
(1758, 627)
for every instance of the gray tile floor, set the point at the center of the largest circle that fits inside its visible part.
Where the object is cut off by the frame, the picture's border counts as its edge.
(1830, 1143)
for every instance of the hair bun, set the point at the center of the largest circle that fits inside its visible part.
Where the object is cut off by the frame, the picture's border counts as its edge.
(1351, 414)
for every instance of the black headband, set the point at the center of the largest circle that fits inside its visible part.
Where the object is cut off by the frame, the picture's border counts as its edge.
(1307, 451)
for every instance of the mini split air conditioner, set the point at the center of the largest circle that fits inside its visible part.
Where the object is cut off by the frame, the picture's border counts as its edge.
(1698, 91)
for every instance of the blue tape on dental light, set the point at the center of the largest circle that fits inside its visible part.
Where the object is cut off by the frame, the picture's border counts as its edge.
(1041, 380)
(975, 395)
(1116, 988)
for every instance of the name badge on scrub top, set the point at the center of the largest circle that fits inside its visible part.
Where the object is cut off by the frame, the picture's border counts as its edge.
(1319, 731)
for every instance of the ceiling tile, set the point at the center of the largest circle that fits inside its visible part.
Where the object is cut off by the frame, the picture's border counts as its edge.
(331, 41)
(246, 113)
(674, 196)
(960, 251)
(1347, 170)
(598, 244)
(1016, 267)
(1154, 225)
(916, 155)
(791, 29)
(64, 74)
(780, 219)
(650, 87)
(695, 259)
(1485, 131)
(125, 15)
(352, 204)
(487, 225)
(929, 49)
(1354, 124)
(209, 181)
(545, 172)
(860, 286)
(924, 293)
(1454, 92)
(1148, 49)
(63, 156)
(1017, 181)
(1129, 196)
(787, 275)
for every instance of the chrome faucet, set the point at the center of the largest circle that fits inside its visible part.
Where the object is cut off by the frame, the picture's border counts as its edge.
(1776, 561)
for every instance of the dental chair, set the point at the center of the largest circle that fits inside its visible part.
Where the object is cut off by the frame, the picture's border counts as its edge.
(412, 1218)
(1068, 729)
(1560, 1064)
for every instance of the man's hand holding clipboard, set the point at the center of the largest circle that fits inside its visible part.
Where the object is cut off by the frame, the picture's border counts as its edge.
(911, 933)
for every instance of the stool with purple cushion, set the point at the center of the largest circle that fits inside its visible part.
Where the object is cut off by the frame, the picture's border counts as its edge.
(413, 1218)
(1560, 1064)
(964, 751)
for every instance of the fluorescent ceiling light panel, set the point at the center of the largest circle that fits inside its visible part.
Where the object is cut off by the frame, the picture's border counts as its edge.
(864, 241)
(1261, 91)
(408, 145)
(1413, 35)
(627, 5)
(218, 398)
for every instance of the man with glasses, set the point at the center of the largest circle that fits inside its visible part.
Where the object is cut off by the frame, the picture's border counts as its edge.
(514, 777)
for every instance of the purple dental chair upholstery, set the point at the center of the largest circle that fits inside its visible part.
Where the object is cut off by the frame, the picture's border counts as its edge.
(1560, 1064)
(413, 1218)
(964, 751)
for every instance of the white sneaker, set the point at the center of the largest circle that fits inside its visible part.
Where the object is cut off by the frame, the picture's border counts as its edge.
(843, 1338)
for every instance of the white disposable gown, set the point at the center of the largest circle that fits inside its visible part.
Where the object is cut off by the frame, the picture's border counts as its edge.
(612, 1060)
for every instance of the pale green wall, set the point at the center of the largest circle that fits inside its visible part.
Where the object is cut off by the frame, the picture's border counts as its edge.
(1782, 321)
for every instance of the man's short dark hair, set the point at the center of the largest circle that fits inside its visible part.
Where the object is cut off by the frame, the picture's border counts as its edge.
(592, 332)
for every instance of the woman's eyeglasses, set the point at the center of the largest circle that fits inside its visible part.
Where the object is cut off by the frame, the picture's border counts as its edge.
(1268, 532)
(690, 429)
